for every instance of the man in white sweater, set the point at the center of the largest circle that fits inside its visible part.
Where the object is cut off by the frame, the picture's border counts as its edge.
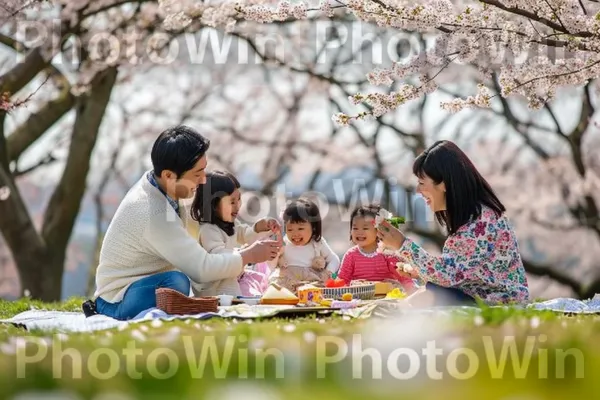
(147, 246)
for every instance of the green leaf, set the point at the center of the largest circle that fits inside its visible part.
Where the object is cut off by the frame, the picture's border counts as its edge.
(396, 221)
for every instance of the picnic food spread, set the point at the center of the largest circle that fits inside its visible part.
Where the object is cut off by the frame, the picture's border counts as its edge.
(276, 294)
(309, 295)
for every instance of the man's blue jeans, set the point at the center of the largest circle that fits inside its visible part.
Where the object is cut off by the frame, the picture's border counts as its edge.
(140, 295)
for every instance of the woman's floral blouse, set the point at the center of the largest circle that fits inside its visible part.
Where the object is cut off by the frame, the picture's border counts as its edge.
(482, 259)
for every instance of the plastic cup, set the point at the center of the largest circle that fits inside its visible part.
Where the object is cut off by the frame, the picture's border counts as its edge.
(225, 299)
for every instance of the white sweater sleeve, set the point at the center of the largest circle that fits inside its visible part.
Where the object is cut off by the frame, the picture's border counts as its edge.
(332, 259)
(213, 239)
(245, 233)
(170, 241)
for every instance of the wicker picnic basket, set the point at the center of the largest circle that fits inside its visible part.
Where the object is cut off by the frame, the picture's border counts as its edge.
(173, 302)
(363, 292)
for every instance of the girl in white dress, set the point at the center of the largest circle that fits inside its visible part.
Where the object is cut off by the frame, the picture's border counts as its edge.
(305, 255)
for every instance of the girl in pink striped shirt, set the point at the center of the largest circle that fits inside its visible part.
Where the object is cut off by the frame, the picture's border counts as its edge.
(364, 261)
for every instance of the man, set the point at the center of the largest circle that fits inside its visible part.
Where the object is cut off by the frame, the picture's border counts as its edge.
(146, 245)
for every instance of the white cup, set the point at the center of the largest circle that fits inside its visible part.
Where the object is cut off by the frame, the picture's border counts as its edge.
(225, 299)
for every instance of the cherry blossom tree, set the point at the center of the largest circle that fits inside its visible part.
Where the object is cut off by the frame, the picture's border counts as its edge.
(533, 47)
(60, 75)
(558, 154)
(270, 118)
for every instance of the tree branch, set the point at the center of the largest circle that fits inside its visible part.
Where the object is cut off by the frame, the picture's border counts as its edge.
(275, 60)
(512, 120)
(582, 290)
(47, 160)
(37, 124)
(553, 116)
(4, 163)
(22, 73)
(65, 202)
(534, 17)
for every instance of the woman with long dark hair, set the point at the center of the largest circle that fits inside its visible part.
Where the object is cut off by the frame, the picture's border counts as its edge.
(480, 258)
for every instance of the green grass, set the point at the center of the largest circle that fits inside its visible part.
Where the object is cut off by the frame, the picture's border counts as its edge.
(10, 308)
(296, 358)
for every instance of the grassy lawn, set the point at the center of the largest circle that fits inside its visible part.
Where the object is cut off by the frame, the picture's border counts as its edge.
(496, 353)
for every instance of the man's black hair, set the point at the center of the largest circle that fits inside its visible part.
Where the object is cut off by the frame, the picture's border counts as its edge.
(178, 149)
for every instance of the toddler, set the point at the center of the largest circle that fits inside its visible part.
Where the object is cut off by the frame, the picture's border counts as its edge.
(216, 206)
(364, 261)
(305, 255)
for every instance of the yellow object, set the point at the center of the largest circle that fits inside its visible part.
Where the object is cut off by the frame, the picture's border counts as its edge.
(395, 294)
(382, 288)
(326, 302)
(310, 294)
(347, 296)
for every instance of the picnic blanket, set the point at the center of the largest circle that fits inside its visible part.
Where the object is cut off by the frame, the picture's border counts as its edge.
(569, 306)
(63, 321)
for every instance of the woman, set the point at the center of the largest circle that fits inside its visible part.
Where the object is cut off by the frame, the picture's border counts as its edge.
(480, 259)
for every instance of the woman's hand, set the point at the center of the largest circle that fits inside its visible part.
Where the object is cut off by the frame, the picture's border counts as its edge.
(391, 237)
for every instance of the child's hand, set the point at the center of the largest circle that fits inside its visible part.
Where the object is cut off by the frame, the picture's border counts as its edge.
(273, 225)
(267, 224)
(319, 263)
(405, 269)
(281, 263)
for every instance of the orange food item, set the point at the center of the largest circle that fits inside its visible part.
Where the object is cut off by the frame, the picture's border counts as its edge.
(330, 283)
(347, 296)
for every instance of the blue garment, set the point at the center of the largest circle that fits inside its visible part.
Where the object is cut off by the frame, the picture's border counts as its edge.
(449, 296)
(173, 203)
(141, 296)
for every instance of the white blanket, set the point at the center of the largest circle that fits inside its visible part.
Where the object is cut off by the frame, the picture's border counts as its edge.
(62, 321)
(568, 305)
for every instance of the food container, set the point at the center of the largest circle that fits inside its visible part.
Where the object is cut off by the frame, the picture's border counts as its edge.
(225, 299)
(310, 294)
(175, 303)
(363, 292)
(251, 301)
(383, 288)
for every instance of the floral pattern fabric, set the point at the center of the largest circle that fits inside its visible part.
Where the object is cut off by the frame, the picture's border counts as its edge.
(482, 259)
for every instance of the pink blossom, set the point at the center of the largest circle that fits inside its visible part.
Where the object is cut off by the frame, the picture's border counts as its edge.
(496, 39)
(4, 193)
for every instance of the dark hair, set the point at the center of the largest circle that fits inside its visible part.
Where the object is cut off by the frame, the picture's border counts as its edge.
(208, 196)
(466, 190)
(369, 210)
(304, 210)
(178, 149)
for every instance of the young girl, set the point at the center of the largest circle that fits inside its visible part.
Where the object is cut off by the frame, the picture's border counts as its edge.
(305, 256)
(364, 261)
(216, 206)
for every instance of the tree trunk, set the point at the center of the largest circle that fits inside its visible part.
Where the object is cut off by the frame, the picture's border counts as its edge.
(40, 257)
(41, 273)
(65, 202)
(26, 245)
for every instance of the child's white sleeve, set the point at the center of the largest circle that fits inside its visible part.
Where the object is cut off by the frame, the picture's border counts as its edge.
(245, 233)
(211, 238)
(332, 259)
